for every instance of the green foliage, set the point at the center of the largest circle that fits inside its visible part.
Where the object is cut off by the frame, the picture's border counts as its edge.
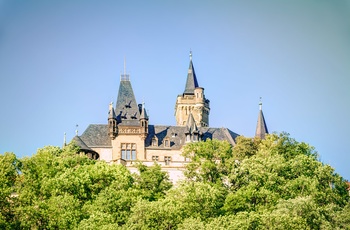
(152, 182)
(9, 168)
(276, 183)
(209, 160)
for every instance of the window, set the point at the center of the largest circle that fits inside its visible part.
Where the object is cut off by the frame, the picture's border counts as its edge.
(167, 160)
(166, 142)
(155, 158)
(128, 151)
(154, 142)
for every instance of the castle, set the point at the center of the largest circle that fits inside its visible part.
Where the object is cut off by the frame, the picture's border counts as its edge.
(128, 136)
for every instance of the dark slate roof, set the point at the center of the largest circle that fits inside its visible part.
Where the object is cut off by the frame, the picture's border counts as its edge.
(83, 147)
(177, 136)
(96, 136)
(261, 127)
(191, 82)
(126, 106)
(79, 142)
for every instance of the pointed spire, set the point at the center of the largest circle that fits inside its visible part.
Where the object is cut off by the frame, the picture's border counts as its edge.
(111, 112)
(126, 105)
(191, 124)
(191, 82)
(143, 112)
(261, 127)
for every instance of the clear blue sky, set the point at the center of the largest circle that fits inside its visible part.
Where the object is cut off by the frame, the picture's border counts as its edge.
(60, 63)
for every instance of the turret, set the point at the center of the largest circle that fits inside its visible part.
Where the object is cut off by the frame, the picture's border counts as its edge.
(143, 121)
(112, 122)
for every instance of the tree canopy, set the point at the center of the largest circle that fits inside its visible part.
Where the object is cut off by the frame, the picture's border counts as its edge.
(275, 183)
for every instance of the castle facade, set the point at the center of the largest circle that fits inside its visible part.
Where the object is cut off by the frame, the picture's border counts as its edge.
(128, 137)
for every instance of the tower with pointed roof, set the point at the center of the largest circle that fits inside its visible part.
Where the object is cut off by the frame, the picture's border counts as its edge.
(192, 101)
(261, 127)
(128, 124)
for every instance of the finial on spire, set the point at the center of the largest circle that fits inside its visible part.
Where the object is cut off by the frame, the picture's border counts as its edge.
(191, 55)
(260, 103)
(76, 130)
(124, 76)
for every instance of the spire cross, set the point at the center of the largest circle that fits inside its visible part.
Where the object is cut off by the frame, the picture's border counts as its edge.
(191, 55)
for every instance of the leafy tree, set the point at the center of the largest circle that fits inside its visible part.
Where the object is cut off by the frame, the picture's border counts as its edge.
(114, 203)
(245, 147)
(208, 160)
(188, 200)
(9, 169)
(152, 181)
(275, 183)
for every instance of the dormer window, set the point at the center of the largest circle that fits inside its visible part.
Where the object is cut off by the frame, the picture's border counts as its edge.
(166, 143)
(154, 141)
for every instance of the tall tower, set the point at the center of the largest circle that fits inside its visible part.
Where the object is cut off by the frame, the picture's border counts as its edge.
(192, 101)
(261, 127)
(128, 124)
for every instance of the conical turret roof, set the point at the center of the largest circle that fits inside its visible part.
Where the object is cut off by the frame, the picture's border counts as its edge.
(191, 82)
(79, 142)
(261, 127)
(111, 112)
(191, 124)
(143, 112)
